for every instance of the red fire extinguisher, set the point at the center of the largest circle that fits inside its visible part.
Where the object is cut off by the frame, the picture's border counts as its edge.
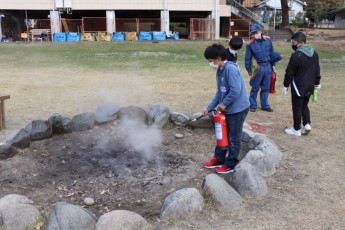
(221, 130)
(273, 82)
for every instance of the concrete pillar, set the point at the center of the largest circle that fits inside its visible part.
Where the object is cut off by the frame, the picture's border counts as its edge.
(0, 27)
(110, 21)
(216, 17)
(165, 20)
(55, 22)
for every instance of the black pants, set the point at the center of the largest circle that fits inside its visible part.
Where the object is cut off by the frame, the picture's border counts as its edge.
(300, 111)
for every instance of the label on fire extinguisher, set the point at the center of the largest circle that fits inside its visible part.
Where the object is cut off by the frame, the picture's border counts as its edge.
(218, 130)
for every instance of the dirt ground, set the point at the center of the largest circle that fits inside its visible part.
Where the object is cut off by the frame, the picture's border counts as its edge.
(306, 192)
(99, 164)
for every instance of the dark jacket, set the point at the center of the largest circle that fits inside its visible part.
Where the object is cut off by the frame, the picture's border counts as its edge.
(231, 57)
(303, 71)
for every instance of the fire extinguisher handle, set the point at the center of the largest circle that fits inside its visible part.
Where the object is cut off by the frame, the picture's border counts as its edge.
(212, 113)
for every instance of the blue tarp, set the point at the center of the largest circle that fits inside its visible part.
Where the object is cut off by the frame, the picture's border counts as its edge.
(118, 36)
(4, 38)
(175, 36)
(145, 36)
(159, 36)
(59, 37)
(73, 37)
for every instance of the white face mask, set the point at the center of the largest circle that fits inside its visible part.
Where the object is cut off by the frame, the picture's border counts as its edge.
(257, 36)
(233, 52)
(214, 66)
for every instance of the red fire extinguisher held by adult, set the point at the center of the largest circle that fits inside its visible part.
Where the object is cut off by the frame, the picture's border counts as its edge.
(273, 82)
(221, 129)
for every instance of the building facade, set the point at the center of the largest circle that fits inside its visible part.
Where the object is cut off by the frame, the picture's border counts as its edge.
(169, 12)
(339, 20)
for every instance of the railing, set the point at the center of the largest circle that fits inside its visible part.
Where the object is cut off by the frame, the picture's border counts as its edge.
(244, 10)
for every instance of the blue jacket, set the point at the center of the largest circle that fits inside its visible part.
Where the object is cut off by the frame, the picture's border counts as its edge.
(262, 51)
(231, 90)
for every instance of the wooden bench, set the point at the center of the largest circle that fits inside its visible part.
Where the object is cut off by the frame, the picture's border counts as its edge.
(36, 34)
(3, 97)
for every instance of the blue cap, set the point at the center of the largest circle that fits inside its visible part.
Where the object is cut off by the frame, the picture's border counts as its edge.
(254, 28)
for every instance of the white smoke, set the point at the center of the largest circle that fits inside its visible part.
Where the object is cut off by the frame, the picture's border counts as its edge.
(140, 137)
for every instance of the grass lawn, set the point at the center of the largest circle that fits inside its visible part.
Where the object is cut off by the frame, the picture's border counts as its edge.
(69, 78)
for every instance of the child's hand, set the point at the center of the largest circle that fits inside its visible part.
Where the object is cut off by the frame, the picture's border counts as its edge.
(220, 107)
(205, 112)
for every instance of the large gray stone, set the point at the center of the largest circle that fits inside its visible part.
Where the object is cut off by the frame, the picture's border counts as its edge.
(247, 135)
(133, 113)
(83, 121)
(222, 192)
(6, 151)
(179, 118)
(66, 216)
(182, 203)
(158, 115)
(122, 220)
(262, 164)
(39, 130)
(60, 124)
(204, 122)
(256, 140)
(19, 139)
(265, 145)
(17, 212)
(247, 181)
(106, 113)
(247, 126)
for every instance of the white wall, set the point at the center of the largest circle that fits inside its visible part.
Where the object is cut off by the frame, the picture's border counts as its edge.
(218, 8)
(338, 22)
(172, 5)
(296, 8)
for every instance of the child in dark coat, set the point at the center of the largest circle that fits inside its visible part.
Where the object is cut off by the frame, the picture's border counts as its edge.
(303, 74)
(235, 44)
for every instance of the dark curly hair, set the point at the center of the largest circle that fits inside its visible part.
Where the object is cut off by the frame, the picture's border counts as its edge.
(236, 43)
(215, 51)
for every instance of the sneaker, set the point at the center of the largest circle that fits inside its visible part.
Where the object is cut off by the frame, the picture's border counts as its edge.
(292, 131)
(252, 110)
(268, 110)
(306, 129)
(225, 169)
(213, 163)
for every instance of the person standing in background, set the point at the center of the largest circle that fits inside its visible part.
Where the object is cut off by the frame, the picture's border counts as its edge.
(303, 73)
(235, 44)
(260, 48)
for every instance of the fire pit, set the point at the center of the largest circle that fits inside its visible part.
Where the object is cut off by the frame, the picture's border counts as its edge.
(103, 164)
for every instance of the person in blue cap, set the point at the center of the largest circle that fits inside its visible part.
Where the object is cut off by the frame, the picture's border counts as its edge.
(260, 48)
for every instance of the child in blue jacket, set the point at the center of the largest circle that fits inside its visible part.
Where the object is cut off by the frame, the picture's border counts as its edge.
(231, 99)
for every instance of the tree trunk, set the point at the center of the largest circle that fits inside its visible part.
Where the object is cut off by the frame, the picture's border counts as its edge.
(285, 13)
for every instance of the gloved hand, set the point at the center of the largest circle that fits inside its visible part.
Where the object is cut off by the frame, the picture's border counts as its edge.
(285, 90)
(317, 86)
